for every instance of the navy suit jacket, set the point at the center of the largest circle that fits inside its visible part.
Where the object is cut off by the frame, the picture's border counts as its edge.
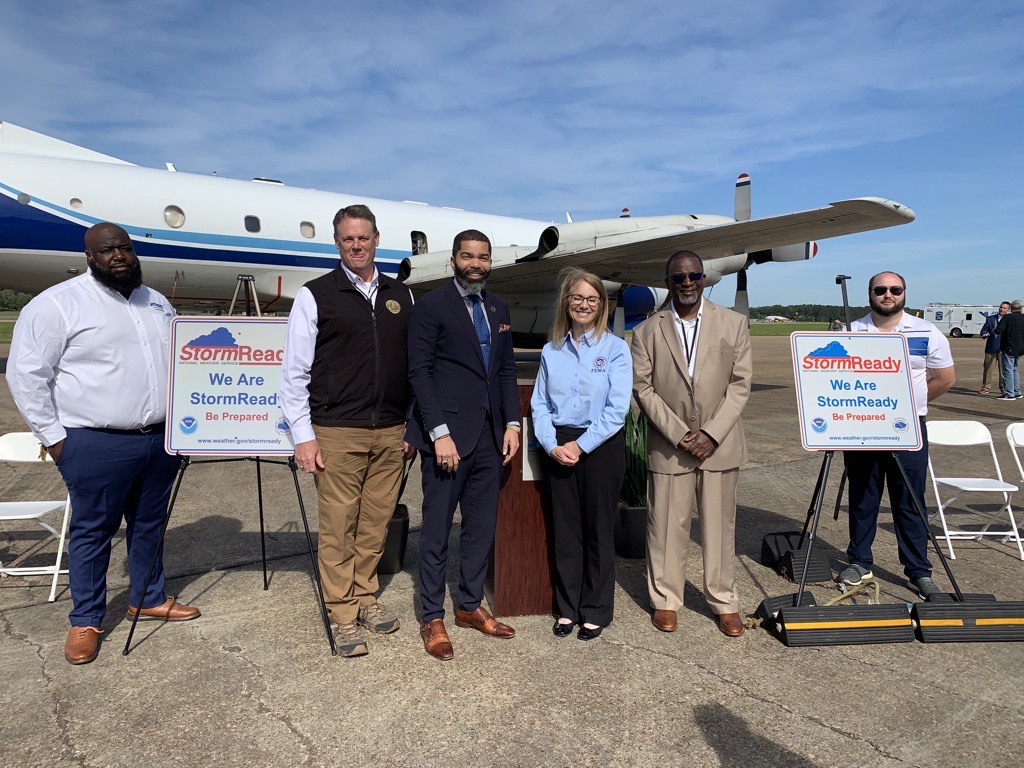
(446, 368)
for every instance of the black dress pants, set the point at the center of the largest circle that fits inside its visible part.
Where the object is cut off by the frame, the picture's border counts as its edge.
(584, 498)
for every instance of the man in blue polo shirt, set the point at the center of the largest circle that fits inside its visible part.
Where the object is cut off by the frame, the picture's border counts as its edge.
(931, 367)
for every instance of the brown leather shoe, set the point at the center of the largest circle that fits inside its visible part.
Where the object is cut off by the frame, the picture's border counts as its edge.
(436, 640)
(482, 620)
(731, 624)
(82, 645)
(170, 610)
(666, 621)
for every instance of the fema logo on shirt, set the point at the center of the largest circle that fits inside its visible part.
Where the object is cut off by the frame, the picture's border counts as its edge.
(599, 365)
(188, 425)
(819, 425)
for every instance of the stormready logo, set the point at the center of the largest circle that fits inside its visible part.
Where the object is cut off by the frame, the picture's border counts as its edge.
(834, 357)
(220, 346)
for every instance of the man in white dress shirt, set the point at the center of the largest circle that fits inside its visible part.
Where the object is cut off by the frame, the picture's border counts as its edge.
(345, 394)
(88, 371)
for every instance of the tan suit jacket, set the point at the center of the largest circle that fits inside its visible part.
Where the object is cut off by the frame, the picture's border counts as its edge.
(712, 402)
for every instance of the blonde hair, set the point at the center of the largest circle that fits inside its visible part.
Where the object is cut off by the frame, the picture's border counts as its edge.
(570, 277)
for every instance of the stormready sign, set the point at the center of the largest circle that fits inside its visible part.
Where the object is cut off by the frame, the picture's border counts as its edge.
(223, 391)
(854, 390)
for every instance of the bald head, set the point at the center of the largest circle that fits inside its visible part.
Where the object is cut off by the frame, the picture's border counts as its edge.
(111, 258)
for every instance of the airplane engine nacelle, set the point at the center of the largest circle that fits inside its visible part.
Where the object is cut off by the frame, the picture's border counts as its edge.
(582, 236)
(640, 302)
(430, 269)
(795, 252)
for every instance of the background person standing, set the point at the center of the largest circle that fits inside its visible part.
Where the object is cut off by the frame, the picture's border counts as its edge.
(1011, 344)
(992, 342)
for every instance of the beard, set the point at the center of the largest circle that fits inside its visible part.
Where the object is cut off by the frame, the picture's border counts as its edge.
(127, 281)
(473, 288)
(895, 309)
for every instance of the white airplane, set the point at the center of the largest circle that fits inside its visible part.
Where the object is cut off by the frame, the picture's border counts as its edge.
(195, 234)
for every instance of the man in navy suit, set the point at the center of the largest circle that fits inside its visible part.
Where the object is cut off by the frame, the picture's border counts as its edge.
(466, 425)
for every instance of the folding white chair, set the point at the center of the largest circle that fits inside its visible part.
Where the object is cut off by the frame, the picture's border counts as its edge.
(962, 434)
(25, 447)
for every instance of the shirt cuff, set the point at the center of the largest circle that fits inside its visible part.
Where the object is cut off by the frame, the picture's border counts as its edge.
(441, 430)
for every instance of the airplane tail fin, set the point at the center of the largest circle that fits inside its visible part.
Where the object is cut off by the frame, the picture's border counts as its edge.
(15, 139)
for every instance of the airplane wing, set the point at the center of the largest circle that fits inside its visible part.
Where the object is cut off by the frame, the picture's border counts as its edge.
(633, 250)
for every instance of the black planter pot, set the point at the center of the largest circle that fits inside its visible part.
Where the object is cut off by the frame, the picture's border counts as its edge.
(393, 559)
(631, 532)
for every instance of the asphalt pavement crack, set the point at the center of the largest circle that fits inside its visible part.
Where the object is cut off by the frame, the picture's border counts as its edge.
(61, 720)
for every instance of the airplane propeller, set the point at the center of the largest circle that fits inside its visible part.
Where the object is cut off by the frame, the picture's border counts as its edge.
(742, 213)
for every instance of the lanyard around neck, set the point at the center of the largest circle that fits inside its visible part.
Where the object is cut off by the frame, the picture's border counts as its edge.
(690, 350)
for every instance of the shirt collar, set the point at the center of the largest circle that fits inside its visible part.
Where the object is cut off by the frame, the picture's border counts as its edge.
(700, 313)
(464, 293)
(588, 338)
(354, 278)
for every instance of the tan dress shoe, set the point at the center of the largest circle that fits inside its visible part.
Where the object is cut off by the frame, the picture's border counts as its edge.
(82, 645)
(169, 610)
(731, 624)
(666, 621)
(481, 620)
(436, 640)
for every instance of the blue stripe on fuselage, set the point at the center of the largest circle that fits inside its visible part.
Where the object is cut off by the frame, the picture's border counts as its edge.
(26, 227)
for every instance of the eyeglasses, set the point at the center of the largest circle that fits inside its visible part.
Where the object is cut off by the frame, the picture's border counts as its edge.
(695, 277)
(575, 298)
(895, 290)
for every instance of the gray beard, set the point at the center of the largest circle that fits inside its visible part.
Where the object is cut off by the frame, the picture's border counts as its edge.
(473, 289)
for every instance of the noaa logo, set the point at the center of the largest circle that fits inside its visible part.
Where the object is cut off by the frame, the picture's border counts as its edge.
(188, 425)
(900, 425)
(819, 425)
(282, 427)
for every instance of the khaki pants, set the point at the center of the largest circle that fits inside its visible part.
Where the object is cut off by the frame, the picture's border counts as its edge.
(986, 366)
(671, 499)
(357, 491)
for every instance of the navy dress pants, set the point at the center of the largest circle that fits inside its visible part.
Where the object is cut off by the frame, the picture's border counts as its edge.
(110, 476)
(473, 488)
(868, 472)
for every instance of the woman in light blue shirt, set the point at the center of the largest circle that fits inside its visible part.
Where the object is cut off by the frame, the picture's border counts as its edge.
(579, 405)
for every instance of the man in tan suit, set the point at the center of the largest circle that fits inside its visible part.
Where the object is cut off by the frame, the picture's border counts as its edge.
(691, 376)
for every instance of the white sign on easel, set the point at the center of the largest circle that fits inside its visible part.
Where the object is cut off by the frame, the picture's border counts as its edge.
(854, 391)
(223, 387)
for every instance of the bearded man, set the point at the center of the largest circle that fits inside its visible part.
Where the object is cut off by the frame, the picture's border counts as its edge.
(931, 367)
(88, 371)
(466, 427)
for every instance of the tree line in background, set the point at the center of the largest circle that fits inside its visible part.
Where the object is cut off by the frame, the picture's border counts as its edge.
(13, 300)
(812, 313)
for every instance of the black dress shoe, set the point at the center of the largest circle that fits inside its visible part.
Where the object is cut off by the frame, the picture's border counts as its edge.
(586, 633)
(560, 629)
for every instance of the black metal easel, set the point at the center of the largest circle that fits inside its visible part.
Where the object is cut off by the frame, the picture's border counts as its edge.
(246, 283)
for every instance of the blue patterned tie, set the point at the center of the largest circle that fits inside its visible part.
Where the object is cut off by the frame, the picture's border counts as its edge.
(483, 331)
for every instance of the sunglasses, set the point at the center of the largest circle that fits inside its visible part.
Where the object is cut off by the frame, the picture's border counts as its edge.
(694, 277)
(895, 290)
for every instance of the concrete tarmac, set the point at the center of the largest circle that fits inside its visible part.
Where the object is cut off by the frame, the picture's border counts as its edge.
(251, 683)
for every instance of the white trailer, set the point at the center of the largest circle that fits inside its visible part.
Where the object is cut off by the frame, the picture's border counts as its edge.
(958, 320)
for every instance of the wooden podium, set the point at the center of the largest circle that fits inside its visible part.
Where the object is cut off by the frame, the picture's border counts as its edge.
(521, 575)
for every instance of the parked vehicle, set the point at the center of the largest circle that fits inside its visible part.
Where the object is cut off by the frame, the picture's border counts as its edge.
(958, 320)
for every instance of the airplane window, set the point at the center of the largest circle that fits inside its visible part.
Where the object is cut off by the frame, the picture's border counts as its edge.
(24, 199)
(419, 243)
(75, 202)
(174, 216)
(306, 229)
(252, 223)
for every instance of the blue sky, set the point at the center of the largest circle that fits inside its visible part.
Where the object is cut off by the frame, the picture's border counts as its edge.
(536, 108)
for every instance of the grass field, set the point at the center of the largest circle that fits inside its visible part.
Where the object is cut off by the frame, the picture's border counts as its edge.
(784, 329)
(6, 329)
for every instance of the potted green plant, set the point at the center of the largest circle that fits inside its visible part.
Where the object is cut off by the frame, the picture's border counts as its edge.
(631, 519)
